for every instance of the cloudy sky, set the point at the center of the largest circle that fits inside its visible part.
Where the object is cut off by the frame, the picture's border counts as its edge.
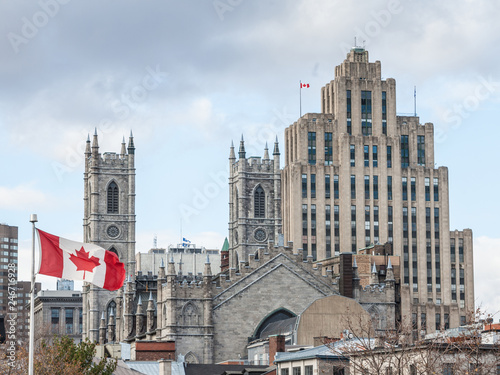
(187, 77)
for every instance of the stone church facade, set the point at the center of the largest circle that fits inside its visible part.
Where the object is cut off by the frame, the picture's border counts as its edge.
(210, 317)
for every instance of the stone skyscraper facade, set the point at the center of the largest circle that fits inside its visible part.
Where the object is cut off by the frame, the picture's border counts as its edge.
(358, 174)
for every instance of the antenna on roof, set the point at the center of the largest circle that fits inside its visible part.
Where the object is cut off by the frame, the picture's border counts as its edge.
(355, 45)
(155, 242)
(415, 101)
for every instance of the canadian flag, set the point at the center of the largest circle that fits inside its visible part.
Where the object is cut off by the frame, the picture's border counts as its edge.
(80, 261)
(304, 85)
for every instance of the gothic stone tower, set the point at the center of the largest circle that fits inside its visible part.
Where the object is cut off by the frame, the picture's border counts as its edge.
(109, 221)
(254, 202)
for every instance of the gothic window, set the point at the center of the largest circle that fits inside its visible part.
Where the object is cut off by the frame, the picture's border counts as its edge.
(259, 202)
(113, 198)
(190, 358)
(113, 250)
(190, 315)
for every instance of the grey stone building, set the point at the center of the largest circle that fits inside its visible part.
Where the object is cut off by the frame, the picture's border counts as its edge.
(109, 220)
(254, 202)
(210, 317)
(58, 312)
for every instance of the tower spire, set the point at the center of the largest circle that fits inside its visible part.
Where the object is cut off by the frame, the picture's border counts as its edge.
(131, 147)
(124, 150)
(241, 153)
(276, 147)
(95, 143)
(374, 278)
(266, 152)
(87, 145)
(231, 152)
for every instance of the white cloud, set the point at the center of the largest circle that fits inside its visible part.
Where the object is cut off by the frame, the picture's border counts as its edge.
(23, 197)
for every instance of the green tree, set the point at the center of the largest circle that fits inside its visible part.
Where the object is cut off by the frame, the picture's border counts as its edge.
(61, 356)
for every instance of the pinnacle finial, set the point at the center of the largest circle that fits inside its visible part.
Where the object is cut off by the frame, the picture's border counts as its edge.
(231, 151)
(123, 150)
(131, 147)
(241, 152)
(162, 264)
(389, 264)
(266, 152)
(140, 300)
(374, 269)
(95, 142)
(103, 317)
(150, 296)
(276, 147)
(354, 263)
(208, 260)
(87, 145)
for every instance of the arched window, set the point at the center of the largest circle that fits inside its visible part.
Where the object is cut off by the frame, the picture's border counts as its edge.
(113, 250)
(113, 198)
(190, 315)
(259, 202)
(190, 358)
(280, 314)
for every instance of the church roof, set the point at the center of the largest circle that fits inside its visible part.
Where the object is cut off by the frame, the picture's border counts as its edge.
(225, 247)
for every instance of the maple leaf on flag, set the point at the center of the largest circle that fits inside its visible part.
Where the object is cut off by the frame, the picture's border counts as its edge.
(83, 262)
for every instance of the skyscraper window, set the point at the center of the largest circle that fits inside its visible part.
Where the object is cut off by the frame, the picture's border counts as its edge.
(405, 152)
(366, 112)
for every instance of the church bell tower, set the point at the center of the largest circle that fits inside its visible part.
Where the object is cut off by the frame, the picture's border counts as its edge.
(254, 202)
(109, 222)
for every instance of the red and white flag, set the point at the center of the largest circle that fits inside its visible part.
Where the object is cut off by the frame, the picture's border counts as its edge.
(80, 261)
(304, 85)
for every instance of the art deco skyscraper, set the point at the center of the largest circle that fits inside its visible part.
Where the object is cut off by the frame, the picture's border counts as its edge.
(358, 174)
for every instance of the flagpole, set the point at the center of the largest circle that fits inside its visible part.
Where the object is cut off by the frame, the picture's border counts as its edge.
(300, 98)
(33, 220)
(415, 101)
